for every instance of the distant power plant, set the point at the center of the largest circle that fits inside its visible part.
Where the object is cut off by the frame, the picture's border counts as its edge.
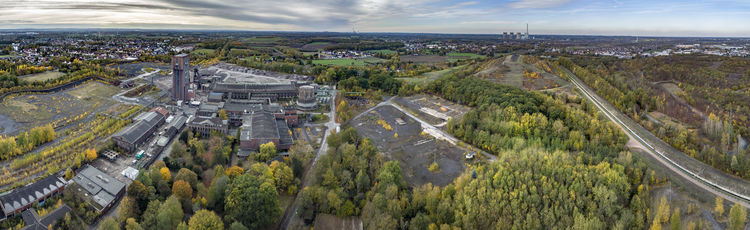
(517, 35)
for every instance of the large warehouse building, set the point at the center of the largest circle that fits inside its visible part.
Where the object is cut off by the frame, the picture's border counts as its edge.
(97, 188)
(130, 138)
(263, 127)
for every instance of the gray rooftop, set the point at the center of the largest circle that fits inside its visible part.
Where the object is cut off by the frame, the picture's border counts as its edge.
(263, 125)
(144, 123)
(20, 197)
(102, 187)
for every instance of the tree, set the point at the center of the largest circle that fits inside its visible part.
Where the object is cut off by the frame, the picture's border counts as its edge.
(252, 202)
(131, 224)
(188, 176)
(719, 208)
(266, 152)
(165, 174)
(109, 223)
(170, 214)
(68, 174)
(128, 209)
(283, 175)
(223, 114)
(216, 193)
(90, 155)
(237, 226)
(663, 211)
(182, 190)
(205, 220)
(737, 217)
(139, 192)
(149, 217)
(675, 220)
(234, 171)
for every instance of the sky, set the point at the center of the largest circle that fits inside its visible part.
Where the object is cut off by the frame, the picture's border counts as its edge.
(611, 17)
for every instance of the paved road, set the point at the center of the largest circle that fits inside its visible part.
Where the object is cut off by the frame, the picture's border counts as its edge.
(286, 219)
(696, 173)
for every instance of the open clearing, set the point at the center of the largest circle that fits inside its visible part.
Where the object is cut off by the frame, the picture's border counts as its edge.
(42, 76)
(134, 69)
(430, 76)
(455, 55)
(512, 70)
(414, 150)
(432, 109)
(383, 51)
(424, 59)
(349, 61)
(31, 110)
(203, 51)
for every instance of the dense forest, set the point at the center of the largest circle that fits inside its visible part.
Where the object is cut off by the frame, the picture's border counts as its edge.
(715, 87)
(559, 167)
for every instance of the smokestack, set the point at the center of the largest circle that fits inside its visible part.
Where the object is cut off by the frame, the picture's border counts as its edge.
(527, 30)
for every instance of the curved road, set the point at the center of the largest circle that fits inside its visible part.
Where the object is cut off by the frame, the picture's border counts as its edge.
(724, 187)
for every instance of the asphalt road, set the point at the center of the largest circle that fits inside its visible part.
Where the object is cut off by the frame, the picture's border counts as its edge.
(657, 150)
(290, 214)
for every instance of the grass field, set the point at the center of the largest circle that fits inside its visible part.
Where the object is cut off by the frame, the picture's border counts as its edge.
(43, 76)
(318, 43)
(262, 39)
(430, 76)
(383, 51)
(348, 61)
(35, 110)
(203, 51)
(454, 55)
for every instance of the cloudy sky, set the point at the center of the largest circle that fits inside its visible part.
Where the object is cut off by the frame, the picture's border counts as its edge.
(608, 17)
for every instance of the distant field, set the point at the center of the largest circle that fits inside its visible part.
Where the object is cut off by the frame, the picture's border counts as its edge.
(42, 76)
(464, 55)
(203, 51)
(430, 76)
(349, 61)
(314, 46)
(423, 59)
(318, 43)
(263, 39)
(383, 51)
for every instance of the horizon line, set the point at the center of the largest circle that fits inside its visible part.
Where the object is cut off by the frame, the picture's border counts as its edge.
(350, 32)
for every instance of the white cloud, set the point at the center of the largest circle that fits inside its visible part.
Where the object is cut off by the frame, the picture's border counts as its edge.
(537, 3)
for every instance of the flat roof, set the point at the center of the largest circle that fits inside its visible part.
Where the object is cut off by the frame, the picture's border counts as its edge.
(100, 187)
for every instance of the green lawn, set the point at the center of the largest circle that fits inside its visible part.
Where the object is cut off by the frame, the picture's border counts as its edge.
(43, 76)
(465, 55)
(319, 43)
(203, 51)
(263, 39)
(349, 61)
(430, 76)
(383, 51)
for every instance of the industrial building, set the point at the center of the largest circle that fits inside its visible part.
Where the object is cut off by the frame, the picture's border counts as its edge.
(206, 125)
(263, 127)
(20, 199)
(130, 138)
(97, 188)
(180, 77)
(238, 87)
(306, 99)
